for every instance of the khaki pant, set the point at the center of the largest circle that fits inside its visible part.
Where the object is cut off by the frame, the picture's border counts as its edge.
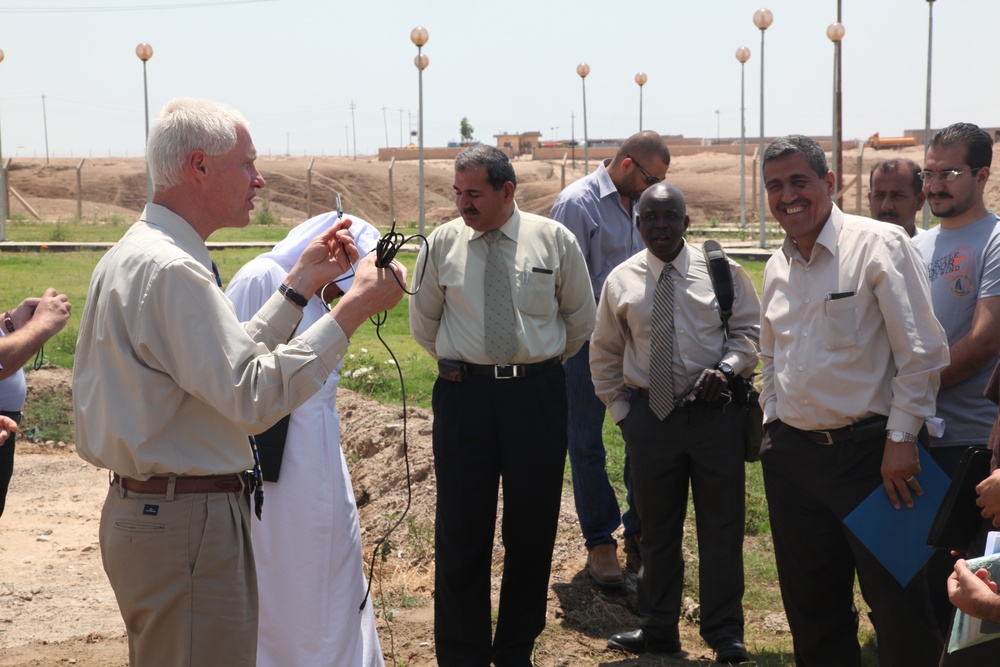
(183, 573)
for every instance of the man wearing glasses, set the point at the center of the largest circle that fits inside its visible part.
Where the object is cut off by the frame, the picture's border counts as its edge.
(599, 209)
(962, 255)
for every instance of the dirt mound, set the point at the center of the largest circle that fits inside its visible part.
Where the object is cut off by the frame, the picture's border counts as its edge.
(56, 605)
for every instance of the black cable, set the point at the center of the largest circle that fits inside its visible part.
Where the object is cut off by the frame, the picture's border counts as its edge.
(386, 249)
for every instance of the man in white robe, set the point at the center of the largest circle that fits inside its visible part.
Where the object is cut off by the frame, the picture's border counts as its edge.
(310, 570)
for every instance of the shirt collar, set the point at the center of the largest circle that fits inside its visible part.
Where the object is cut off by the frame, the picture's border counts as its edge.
(605, 185)
(680, 263)
(509, 228)
(827, 236)
(180, 230)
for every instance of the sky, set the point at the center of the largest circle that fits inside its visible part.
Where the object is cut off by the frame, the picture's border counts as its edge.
(296, 67)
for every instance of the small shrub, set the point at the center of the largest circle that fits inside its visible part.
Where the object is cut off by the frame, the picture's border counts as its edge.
(366, 375)
(264, 215)
(58, 234)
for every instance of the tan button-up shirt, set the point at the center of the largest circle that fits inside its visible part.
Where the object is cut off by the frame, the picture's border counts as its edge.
(166, 380)
(851, 333)
(620, 346)
(553, 303)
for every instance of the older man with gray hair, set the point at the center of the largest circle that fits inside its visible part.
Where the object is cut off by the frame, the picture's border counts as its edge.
(167, 384)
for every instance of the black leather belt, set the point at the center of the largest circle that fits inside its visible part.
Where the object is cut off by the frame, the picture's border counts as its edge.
(16, 416)
(695, 403)
(866, 429)
(457, 371)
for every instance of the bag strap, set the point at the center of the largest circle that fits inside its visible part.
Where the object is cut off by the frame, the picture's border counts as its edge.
(722, 280)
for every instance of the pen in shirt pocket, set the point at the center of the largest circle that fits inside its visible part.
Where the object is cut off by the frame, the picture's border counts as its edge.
(833, 296)
(526, 273)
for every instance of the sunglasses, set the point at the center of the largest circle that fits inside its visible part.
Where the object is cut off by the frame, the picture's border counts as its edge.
(650, 180)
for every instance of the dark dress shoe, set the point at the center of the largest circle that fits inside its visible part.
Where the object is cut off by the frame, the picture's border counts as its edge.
(731, 652)
(637, 642)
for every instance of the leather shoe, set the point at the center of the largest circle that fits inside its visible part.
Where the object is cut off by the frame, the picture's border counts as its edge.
(636, 642)
(602, 564)
(731, 652)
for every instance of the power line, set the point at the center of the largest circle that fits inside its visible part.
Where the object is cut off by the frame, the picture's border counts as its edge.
(69, 10)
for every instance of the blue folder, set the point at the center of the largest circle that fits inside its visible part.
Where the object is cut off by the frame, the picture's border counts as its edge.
(898, 538)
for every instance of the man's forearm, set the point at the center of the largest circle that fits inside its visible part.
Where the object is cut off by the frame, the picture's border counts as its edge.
(17, 348)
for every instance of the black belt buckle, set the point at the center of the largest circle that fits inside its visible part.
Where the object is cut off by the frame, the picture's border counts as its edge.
(509, 371)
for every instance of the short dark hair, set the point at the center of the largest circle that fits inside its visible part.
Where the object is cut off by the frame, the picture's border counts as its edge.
(798, 144)
(977, 143)
(892, 167)
(499, 170)
(645, 145)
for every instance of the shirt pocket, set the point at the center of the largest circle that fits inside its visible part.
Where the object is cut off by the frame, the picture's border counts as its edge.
(840, 322)
(536, 292)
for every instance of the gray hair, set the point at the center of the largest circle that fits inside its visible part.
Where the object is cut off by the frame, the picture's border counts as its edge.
(188, 124)
(499, 170)
(797, 144)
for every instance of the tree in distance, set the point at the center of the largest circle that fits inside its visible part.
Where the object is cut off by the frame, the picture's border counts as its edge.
(466, 130)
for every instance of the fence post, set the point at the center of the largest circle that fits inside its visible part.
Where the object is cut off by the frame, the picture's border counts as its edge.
(562, 182)
(79, 191)
(309, 189)
(392, 199)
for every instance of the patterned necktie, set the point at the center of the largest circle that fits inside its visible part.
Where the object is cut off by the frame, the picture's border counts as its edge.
(258, 478)
(661, 358)
(498, 307)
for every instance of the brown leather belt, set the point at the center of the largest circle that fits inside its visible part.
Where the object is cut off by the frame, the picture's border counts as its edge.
(866, 429)
(231, 483)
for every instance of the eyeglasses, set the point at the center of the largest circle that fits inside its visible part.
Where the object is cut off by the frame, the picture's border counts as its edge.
(650, 180)
(946, 175)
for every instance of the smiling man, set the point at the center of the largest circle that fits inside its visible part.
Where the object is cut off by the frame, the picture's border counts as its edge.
(851, 356)
(896, 193)
(503, 302)
(645, 360)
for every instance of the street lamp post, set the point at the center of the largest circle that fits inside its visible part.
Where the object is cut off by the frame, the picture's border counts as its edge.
(3, 191)
(836, 33)
(641, 79)
(145, 52)
(927, 113)
(583, 69)
(762, 18)
(743, 55)
(419, 37)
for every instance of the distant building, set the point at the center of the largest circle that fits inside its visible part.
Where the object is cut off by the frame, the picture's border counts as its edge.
(522, 143)
(919, 134)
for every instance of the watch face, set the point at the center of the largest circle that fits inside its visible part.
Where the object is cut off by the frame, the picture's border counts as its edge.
(896, 436)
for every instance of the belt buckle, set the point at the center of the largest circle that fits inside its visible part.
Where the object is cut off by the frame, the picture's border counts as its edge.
(829, 437)
(508, 372)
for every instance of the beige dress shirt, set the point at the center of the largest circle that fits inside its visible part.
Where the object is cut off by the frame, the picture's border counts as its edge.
(851, 333)
(550, 287)
(166, 380)
(620, 346)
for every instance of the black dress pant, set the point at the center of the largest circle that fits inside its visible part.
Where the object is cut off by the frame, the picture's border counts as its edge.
(7, 460)
(488, 431)
(810, 489)
(703, 446)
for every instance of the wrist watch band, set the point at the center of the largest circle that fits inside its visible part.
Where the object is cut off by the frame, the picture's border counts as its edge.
(900, 436)
(726, 370)
(293, 296)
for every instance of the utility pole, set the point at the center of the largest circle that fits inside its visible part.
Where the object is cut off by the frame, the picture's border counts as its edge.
(353, 130)
(385, 122)
(45, 126)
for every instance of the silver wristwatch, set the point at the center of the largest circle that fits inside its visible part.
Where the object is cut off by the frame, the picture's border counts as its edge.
(900, 436)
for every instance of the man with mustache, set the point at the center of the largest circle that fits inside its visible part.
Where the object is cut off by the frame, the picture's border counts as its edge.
(851, 356)
(962, 255)
(599, 209)
(896, 193)
(501, 298)
(678, 441)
